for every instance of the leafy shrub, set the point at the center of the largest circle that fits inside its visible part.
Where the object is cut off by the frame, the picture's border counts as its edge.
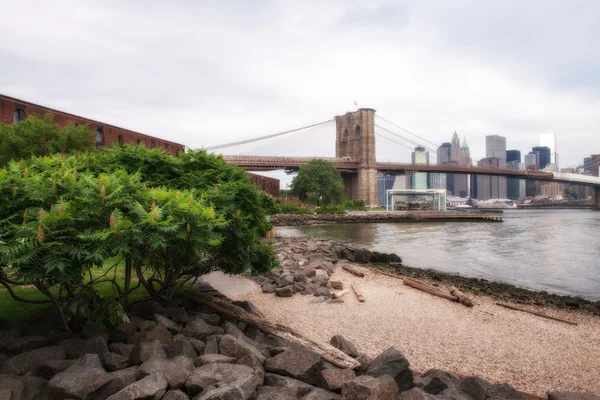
(358, 205)
(339, 209)
(289, 208)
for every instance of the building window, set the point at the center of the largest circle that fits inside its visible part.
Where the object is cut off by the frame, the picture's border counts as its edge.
(19, 115)
(138, 142)
(99, 137)
(152, 144)
(165, 147)
(177, 153)
(120, 139)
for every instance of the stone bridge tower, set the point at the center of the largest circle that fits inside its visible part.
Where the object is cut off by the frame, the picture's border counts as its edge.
(355, 140)
(596, 172)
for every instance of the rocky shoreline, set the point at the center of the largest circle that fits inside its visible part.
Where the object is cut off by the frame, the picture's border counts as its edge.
(302, 258)
(380, 217)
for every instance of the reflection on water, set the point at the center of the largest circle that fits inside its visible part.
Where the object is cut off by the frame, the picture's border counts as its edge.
(553, 250)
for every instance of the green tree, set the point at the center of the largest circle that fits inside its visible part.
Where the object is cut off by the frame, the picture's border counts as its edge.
(319, 182)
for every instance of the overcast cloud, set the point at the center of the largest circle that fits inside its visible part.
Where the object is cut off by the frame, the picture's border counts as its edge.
(203, 73)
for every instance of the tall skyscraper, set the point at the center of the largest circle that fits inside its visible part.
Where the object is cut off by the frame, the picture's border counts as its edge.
(513, 156)
(515, 188)
(492, 187)
(531, 161)
(458, 184)
(419, 179)
(437, 180)
(544, 154)
(549, 140)
(495, 147)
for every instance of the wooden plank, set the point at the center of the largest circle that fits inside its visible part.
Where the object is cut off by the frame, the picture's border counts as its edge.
(358, 294)
(539, 314)
(337, 295)
(353, 271)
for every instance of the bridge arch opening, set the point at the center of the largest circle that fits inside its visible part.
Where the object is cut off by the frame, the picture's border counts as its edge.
(357, 132)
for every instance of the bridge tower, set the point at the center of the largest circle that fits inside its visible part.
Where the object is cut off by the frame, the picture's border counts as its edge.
(596, 172)
(355, 140)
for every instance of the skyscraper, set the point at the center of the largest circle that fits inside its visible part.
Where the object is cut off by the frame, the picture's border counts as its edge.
(458, 183)
(492, 187)
(549, 140)
(544, 154)
(437, 180)
(495, 147)
(513, 156)
(515, 188)
(531, 161)
(419, 179)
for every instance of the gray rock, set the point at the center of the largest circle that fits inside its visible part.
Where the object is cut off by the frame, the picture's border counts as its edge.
(254, 363)
(197, 345)
(246, 384)
(55, 336)
(144, 351)
(212, 345)
(146, 326)
(179, 347)
(31, 360)
(284, 381)
(297, 361)
(233, 347)
(175, 395)
(286, 280)
(151, 387)
(12, 387)
(265, 339)
(214, 358)
(122, 333)
(343, 344)
(415, 394)
(392, 363)
(117, 380)
(436, 381)
(286, 291)
(505, 391)
(323, 291)
(211, 374)
(476, 388)
(167, 323)
(221, 393)
(91, 330)
(146, 309)
(362, 256)
(571, 396)
(268, 288)
(320, 394)
(249, 307)
(365, 361)
(299, 287)
(159, 332)
(34, 388)
(175, 371)
(277, 393)
(211, 319)
(336, 285)
(333, 379)
(113, 361)
(23, 344)
(80, 379)
(121, 349)
(178, 315)
(318, 300)
(53, 367)
(197, 328)
(75, 348)
(369, 388)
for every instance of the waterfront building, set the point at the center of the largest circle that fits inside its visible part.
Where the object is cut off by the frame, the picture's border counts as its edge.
(513, 156)
(516, 188)
(553, 190)
(384, 182)
(544, 156)
(567, 170)
(491, 187)
(438, 180)
(549, 140)
(420, 180)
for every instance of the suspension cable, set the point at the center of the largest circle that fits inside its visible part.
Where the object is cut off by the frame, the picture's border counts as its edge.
(406, 130)
(402, 144)
(216, 147)
(404, 138)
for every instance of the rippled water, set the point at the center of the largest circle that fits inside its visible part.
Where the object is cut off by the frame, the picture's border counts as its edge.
(553, 250)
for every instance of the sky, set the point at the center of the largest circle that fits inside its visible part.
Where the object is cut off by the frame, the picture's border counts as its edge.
(204, 73)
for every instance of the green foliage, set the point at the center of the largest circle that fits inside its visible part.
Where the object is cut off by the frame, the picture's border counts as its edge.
(290, 208)
(358, 205)
(318, 182)
(41, 136)
(335, 209)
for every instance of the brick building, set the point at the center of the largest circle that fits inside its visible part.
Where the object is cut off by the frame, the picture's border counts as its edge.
(14, 110)
(266, 184)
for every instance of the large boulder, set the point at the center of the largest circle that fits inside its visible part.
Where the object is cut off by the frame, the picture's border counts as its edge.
(436, 381)
(171, 326)
(22, 344)
(212, 344)
(214, 358)
(362, 256)
(53, 367)
(343, 344)
(286, 291)
(249, 307)
(333, 379)
(286, 279)
(269, 288)
(152, 387)
(75, 348)
(175, 395)
(144, 351)
(277, 393)
(197, 328)
(122, 333)
(571, 396)
(505, 391)
(476, 388)
(116, 381)
(297, 361)
(225, 392)
(233, 347)
(418, 394)
(113, 361)
(211, 374)
(175, 370)
(31, 361)
(369, 388)
(392, 363)
(179, 347)
(121, 349)
(284, 381)
(12, 387)
(80, 379)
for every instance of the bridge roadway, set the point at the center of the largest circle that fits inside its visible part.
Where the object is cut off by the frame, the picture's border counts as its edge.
(269, 163)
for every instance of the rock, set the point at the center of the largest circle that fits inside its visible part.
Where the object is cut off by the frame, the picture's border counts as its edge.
(91, 330)
(362, 256)
(178, 315)
(34, 388)
(146, 326)
(571, 396)
(298, 362)
(249, 307)
(254, 363)
(287, 291)
(179, 347)
(144, 351)
(277, 393)
(415, 394)
(151, 387)
(246, 384)
(505, 391)
(197, 345)
(11, 386)
(394, 258)
(175, 395)
(320, 394)
(167, 323)
(299, 287)
(221, 393)
(32, 360)
(335, 301)
(268, 288)
(214, 358)
(212, 345)
(476, 388)
(343, 344)
(336, 285)
(320, 275)
(55, 336)
(365, 361)
(117, 380)
(197, 328)
(113, 361)
(123, 332)
(333, 379)
(75, 348)
(211, 319)
(230, 346)
(85, 376)
(159, 332)
(286, 280)
(121, 349)
(391, 362)
(53, 367)
(265, 339)
(175, 371)
(369, 388)
(211, 374)
(284, 381)
(436, 381)
(323, 291)
(146, 309)
(22, 344)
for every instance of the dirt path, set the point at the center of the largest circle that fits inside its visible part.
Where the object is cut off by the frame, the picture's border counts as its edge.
(533, 354)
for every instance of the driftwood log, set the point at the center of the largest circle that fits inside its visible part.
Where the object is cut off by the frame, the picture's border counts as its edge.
(353, 271)
(358, 294)
(429, 289)
(539, 314)
(462, 299)
(337, 295)
(329, 353)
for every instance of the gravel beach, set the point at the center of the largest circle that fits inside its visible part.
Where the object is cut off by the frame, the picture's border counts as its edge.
(531, 353)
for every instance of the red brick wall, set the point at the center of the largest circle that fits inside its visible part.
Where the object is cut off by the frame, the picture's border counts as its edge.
(266, 184)
(8, 105)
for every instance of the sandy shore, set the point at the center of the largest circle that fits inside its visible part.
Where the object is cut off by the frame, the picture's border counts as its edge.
(531, 353)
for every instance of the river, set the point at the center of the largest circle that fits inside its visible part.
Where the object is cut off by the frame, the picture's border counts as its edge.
(557, 251)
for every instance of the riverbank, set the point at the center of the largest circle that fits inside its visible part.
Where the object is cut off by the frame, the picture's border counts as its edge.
(533, 354)
(374, 217)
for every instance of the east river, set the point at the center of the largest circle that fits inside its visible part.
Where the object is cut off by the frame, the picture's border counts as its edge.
(557, 251)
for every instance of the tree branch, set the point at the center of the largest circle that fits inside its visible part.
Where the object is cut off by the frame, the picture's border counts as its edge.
(21, 299)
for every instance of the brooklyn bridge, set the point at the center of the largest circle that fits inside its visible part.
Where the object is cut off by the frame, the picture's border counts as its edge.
(356, 158)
